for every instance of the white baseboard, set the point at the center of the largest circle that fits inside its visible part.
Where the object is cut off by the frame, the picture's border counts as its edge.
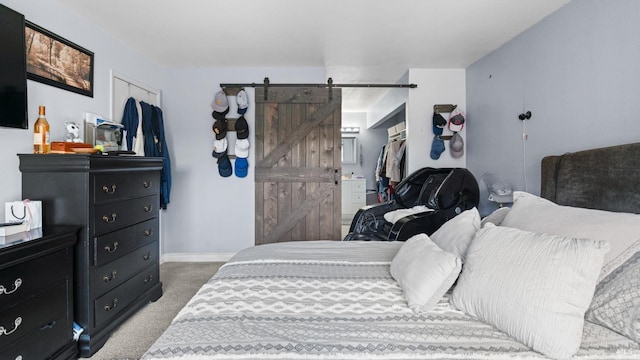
(195, 257)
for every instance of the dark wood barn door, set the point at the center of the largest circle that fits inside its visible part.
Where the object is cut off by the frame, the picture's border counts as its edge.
(297, 173)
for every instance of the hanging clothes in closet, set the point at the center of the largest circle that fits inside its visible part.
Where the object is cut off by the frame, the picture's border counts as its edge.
(394, 163)
(390, 168)
(382, 181)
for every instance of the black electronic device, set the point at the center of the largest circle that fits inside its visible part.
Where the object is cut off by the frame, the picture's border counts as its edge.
(13, 70)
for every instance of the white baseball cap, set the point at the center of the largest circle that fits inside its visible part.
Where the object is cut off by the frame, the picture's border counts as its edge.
(242, 148)
(243, 102)
(456, 121)
(219, 147)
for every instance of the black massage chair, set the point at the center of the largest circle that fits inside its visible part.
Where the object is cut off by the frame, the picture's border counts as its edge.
(447, 191)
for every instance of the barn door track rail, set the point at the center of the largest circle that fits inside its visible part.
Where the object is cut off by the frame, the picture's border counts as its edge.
(232, 89)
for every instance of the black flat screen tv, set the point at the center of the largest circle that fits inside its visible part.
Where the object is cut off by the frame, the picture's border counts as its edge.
(13, 70)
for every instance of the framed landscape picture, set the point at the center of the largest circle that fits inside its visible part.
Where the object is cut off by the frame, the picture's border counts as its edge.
(58, 62)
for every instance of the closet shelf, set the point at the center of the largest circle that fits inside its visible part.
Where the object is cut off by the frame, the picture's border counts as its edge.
(397, 131)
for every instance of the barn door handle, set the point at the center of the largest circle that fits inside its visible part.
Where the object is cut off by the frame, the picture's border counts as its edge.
(335, 176)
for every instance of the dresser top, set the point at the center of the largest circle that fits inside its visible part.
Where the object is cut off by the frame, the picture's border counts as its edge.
(86, 163)
(23, 238)
(24, 246)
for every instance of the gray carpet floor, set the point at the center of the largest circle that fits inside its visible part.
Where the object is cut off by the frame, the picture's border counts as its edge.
(180, 281)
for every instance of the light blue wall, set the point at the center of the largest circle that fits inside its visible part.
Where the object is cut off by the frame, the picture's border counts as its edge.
(577, 71)
(209, 213)
(61, 105)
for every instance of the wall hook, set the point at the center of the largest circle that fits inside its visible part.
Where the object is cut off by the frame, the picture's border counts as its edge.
(524, 116)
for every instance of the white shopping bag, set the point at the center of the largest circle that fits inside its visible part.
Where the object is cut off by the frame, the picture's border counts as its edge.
(26, 210)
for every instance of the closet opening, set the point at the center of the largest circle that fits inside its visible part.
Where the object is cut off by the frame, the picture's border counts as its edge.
(364, 180)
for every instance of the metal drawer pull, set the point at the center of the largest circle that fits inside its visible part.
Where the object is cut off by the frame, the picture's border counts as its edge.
(16, 323)
(148, 232)
(112, 306)
(147, 256)
(16, 285)
(148, 208)
(107, 219)
(106, 189)
(106, 278)
(109, 249)
(149, 279)
(147, 184)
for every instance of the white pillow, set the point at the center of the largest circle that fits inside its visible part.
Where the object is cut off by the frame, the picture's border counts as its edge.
(621, 230)
(456, 234)
(535, 287)
(395, 215)
(424, 271)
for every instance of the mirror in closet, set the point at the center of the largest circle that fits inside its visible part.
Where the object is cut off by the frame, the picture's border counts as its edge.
(349, 150)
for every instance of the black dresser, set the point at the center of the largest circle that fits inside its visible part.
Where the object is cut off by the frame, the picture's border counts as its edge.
(36, 294)
(115, 199)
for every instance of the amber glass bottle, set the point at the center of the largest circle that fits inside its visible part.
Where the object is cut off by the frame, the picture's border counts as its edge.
(41, 141)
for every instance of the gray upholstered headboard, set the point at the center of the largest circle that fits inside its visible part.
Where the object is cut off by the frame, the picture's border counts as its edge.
(605, 178)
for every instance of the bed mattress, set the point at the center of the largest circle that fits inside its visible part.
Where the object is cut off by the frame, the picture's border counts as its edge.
(337, 300)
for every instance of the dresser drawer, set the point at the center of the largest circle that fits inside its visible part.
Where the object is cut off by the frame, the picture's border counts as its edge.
(41, 342)
(358, 198)
(117, 300)
(23, 280)
(116, 272)
(114, 216)
(113, 245)
(32, 314)
(108, 187)
(358, 186)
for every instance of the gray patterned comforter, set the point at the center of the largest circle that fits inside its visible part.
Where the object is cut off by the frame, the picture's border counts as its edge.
(336, 300)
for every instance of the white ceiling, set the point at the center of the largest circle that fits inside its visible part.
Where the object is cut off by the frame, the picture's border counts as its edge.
(357, 41)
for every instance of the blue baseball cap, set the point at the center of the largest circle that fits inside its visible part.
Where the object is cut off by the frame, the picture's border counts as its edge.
(224, 166)
(437, 147)
(242, 167)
